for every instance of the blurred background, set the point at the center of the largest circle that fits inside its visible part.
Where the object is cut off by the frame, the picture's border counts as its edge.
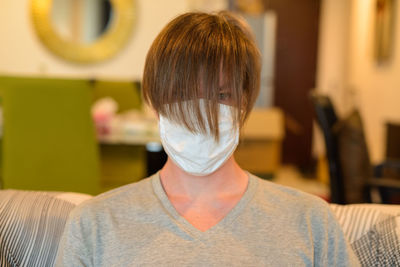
(72, 116)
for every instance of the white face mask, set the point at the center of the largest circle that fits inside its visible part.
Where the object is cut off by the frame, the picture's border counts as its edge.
(196, 153)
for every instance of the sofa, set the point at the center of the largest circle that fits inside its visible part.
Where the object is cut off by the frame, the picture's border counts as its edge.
(32, 222)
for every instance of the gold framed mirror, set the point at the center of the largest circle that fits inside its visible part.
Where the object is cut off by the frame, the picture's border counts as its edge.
(96, 44)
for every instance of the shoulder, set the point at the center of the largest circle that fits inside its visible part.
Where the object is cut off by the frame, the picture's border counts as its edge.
(287, 197)
(292, 204)
(311, 217)
(133, 197)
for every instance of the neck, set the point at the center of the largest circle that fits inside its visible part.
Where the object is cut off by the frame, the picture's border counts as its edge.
(229, 179)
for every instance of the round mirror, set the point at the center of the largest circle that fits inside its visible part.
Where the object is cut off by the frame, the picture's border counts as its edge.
(82, 21)
(84, 31)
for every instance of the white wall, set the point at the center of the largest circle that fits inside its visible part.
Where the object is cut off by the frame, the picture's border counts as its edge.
(21, 53)
(347, 70)
(377, 86)
(333, 62)
(332, 67)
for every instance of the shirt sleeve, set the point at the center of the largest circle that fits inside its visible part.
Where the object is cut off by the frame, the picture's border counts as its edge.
(330, 245)
(74, 246)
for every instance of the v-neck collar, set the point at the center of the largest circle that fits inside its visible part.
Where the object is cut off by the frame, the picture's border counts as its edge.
(187, 226)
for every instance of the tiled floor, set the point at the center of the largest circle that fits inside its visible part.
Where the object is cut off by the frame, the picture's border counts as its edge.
(290, 176)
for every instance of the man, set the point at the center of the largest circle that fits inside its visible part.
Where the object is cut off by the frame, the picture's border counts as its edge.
(202, 77)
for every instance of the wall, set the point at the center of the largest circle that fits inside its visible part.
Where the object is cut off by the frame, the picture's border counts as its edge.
(348, 72)
(332, 67)
(377, 87)
(333, 51)
(22, 53)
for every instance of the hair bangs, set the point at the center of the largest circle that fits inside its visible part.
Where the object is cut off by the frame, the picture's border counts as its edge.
(202, 56)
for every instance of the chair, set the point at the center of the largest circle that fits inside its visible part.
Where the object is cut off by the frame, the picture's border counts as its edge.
(49, 141)
(352, 178)
(393, 140)
(120, 163)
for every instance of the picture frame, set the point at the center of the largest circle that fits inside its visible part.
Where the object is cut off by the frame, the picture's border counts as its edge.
(384, 30)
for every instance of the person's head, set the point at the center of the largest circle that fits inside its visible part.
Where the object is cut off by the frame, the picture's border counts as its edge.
(202, 56)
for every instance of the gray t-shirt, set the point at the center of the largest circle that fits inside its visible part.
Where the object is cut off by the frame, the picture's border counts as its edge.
(136, 225)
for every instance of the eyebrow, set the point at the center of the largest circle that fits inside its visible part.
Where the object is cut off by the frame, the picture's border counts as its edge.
(224, 87)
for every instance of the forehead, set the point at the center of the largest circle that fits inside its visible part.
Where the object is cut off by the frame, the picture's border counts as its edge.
(223, 83)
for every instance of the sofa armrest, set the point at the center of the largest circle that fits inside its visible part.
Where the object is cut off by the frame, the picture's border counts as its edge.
(32, 223)
(373, 231)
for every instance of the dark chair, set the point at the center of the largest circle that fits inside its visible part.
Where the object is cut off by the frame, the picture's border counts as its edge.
(393, 140)
(352, 178)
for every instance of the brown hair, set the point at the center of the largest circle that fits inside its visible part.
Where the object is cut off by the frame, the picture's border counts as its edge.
(199, 55)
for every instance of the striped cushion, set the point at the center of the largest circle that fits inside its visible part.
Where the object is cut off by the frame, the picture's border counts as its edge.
(31, 225)
(373, 231)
